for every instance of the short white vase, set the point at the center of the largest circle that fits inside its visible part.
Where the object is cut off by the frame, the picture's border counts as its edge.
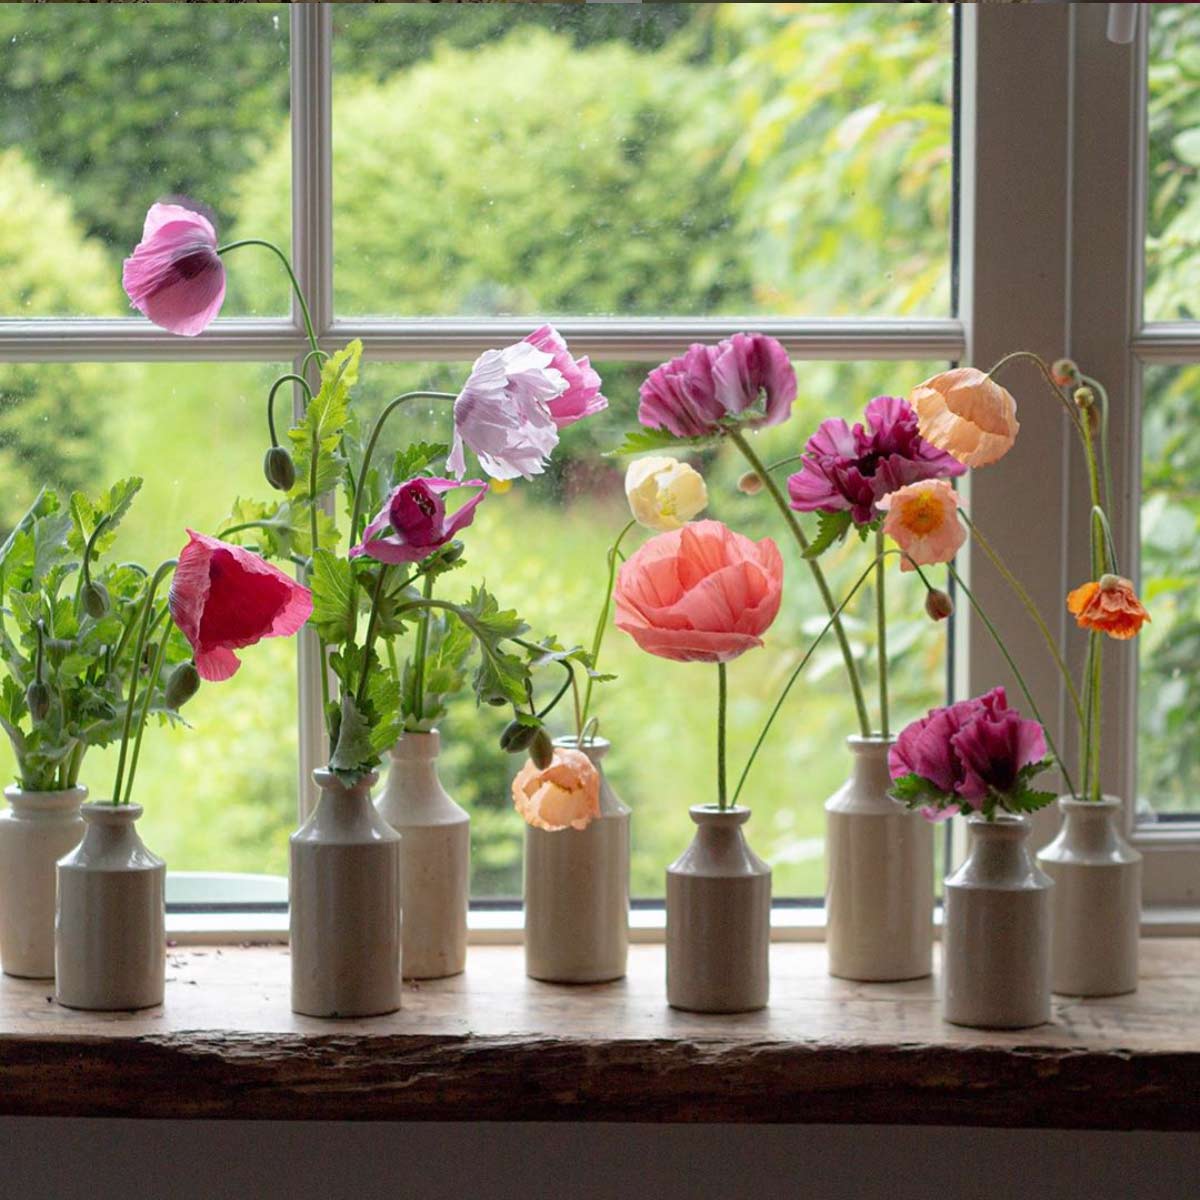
(38, 829)
(577, 891)
(435, 859)
(344, 900)
(718, 918)
(110, 935)
(996, 936)
(878, 875)
(1097, 902)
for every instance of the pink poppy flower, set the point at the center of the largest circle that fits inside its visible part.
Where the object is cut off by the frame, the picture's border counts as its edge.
(175, 275)
(968, 414)
(415, 514)
(922, 519)
(503, 413)
(224, 597)
(702, 593)
(992, 749)
(582, 397)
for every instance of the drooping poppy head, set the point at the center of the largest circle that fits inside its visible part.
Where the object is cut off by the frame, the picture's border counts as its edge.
(1108, 606)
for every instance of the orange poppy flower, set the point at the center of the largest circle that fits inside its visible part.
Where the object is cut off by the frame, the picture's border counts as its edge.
(1110, 606)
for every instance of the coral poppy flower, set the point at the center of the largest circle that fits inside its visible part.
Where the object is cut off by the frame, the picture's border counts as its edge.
(1110, 606)
(564, 794)
(224, 597)
(699, 594)
(967, 414)
(922, 519)
(415, 516)
(175, 275)
(582, 397)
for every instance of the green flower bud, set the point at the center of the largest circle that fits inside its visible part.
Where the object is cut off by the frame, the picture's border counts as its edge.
(95, 599)
(541, 750)
(452, 552)
(279, 469)
(183, 685)
(517, 737)
(37, 696)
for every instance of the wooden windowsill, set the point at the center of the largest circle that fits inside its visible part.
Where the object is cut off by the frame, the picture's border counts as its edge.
(494, 1045)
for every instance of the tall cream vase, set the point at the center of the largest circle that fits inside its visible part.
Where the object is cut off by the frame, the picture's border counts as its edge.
(435, 859)
(344, 903)
(36, 831)
(577, 891)
(878, 875)
(110, 937)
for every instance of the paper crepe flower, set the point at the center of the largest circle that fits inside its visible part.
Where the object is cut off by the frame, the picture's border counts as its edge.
(699, 594)
(1110, 606)
(224, 597)
(414, 523)
(853, 469)
(692, 395)
(175, 275)
(582, 397)
(967, 414)
(664, 493)
(922, 519)
(503, 413)
(992, 749)
(566, 794)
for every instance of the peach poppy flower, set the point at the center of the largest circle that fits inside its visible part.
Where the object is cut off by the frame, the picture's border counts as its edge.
(566, 794)
(967, 414)
(1110, 606)
(922, 519)
(702, 593)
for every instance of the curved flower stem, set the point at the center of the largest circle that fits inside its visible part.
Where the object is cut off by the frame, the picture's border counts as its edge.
(242, 528)
(1072, 411)
(569, 682)
(85, 570)
(785, 462)
(881, 627)
(601, 626)
(314, 536)
(422, 648)
(781, 503)
(287, 266)
(369, 640)
(147, 607)
(1105, 464)
(147, 699)
(722, 704)
(291, 377)
(319, 355)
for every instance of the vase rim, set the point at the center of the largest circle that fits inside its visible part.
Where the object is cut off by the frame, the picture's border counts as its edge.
(105, 812)
(1106, 803)
(428, 740)
(57, 798)
(568, 741)
(1010, 823)
(872, 741)
(327, 781)
(704, 814)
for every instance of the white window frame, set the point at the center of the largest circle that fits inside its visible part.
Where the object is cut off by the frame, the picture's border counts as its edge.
(1031, 187)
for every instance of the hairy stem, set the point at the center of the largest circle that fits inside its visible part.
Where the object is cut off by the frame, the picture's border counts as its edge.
(881, 633)
(287, 266)
(722, 704)
(601, 626)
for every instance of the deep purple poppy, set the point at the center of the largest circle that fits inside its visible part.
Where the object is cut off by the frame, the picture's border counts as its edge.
(992, 749)
(415, 517)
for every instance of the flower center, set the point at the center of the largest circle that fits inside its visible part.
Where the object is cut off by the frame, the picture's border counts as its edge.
(921, 514)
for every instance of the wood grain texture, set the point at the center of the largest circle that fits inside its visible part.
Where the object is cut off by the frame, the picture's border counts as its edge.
(493, 1045)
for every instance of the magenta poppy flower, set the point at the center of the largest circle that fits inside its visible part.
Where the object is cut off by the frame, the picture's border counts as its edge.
(992, 749)
(582, 397)
(415, 514)
(175, 275)
(224, 597)
(924, 747)
(503, 413)
(852, 469)
(694, 394)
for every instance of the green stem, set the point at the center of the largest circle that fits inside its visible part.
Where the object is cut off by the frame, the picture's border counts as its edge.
(781, 503)
(722, 703)
(1069, 405)
(147, 699)
(85, 572)
(320, 355)
(422, 648)
(601, 626)
(314, 535)
(785, 462)
(1089, 681)
(147, 608)
(369, 641)
(292, 378)
(881, 627)
(547, 709)
(225, 533)
(1097, 715)
(287, 266)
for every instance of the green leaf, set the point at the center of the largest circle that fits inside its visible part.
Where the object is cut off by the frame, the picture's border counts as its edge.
(353, 751)
(324, 422)
(49, 545)
(915, 791)
(17, 555)
(1026, 799)
(831, 527)
(86, 515)
(638, 441)
(416, 460)
(333, 615)
(501, 677)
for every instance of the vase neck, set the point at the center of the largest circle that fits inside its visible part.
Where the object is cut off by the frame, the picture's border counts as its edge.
(415, 758)
(109, 829)
(595, 748)
(1091, 826)
(998, 851)
(869, 763)
(45, 806)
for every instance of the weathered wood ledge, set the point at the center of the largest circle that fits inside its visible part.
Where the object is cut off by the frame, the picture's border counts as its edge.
(493, 1045)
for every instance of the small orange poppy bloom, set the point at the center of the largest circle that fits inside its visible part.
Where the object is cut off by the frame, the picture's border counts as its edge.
(1110, 606)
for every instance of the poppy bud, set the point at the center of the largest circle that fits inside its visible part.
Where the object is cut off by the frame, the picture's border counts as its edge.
(517, 737)
(183, 685)
(750, 484)
(95, 599)
(37, 696)
(1063, 371)
(279, 469)
(541, 749)
(938, 604)
(452, 552)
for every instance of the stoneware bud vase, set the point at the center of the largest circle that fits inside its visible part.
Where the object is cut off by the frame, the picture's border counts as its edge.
(344, 901)
(878, 875)
(110, 935)
(996, 935)
(718, 918)
(435, 859)
(577, 891)
(1097, 902)
(35, 832)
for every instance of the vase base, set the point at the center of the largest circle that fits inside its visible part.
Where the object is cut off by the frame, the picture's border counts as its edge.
(428, 976)
(580, 980)
(883, 977)
(345, 1016)
(106, 1006)
(1093, 993)
(963, 1023)
(28, 974)
(722, 1010)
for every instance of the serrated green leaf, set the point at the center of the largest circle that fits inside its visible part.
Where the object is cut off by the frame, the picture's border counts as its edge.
(914, 791)
(352, 752)
(416, 460)
(638, 441)
(86, 514)
(17, 554)
(325, 420)
(831, 527)
(49, 545)
(333, 615)
(501, 677)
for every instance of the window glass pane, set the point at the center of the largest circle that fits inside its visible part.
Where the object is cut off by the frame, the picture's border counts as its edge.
(1173, 216)
(692, 159)
(222, 795)
(1169, 691)
(105, 109)
(541, 549)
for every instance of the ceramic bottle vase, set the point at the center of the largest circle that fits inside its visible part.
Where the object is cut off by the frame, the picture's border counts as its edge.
(38, 829)
(110, 938)
(718, 918)
(344, 900)
(435, 859)
(577, 891)
(1097, 901)
(878, 875)
(996, 936)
